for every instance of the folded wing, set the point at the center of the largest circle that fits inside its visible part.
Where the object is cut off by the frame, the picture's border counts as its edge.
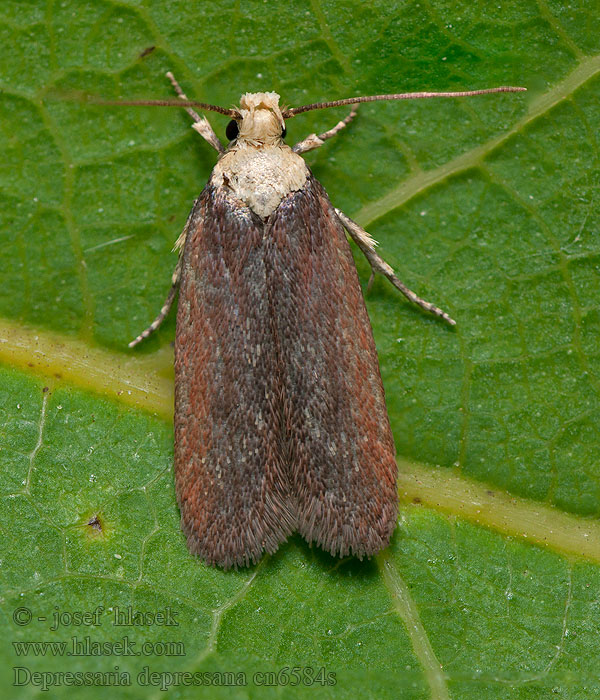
(341, 450)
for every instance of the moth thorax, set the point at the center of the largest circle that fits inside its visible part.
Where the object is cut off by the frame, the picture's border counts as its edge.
(261, 120)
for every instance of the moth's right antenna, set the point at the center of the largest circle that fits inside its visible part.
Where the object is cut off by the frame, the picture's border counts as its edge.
(399, 96)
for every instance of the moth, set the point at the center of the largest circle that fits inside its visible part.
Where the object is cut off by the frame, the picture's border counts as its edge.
(280, 416)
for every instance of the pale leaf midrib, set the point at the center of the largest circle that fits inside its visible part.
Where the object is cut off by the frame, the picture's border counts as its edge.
(135, 381)
(139, 381)
(444, 490)
(408, 611)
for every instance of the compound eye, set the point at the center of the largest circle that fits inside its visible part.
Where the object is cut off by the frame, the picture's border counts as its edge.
(232, 130)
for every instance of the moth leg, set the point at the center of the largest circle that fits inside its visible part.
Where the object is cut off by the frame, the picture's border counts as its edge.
(166, 307)
(367, 245)
(200, 124)
(313, 141)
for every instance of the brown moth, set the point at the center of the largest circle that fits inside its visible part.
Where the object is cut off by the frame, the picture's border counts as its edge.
(280, 417)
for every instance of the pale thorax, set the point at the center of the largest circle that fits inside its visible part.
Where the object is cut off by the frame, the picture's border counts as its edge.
(260, 176)
(259, 169)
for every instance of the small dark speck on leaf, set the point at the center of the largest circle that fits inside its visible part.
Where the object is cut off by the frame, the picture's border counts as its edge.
(147, 51)
(58, 375)
(417, 499)
(46, 389)
(95, 523)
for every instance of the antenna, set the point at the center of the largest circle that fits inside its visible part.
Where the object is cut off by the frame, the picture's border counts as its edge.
(399, 96)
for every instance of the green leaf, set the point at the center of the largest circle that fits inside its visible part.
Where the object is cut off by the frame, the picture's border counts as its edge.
(486, 207)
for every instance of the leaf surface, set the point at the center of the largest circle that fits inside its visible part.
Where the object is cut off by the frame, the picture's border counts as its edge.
(486, 207)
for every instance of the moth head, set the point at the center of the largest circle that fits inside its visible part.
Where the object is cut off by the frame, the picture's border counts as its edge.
(258, 121)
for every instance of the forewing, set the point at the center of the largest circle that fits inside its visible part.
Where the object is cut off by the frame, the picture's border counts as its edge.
(340, 446)
(231, 479)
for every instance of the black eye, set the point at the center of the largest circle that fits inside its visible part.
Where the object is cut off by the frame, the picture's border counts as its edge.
(284, 132)
(232, 130)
